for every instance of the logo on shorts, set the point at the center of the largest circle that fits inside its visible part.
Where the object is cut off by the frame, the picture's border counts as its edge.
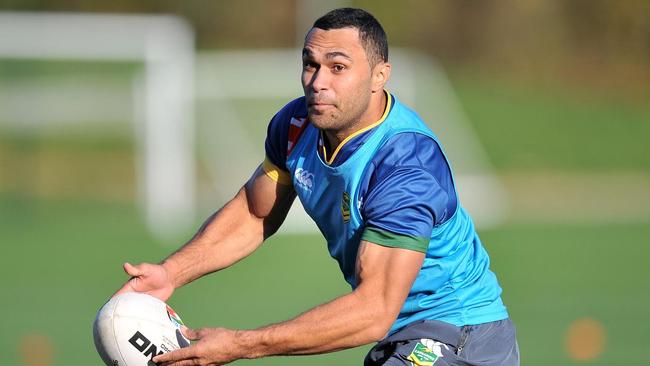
(345, 207)
(426, 352)
(304, 179)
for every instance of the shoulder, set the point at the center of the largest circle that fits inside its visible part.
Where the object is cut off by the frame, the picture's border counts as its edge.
(409, 173)
(409, 150)
(277, 134)
(296, 108)
(278, 129)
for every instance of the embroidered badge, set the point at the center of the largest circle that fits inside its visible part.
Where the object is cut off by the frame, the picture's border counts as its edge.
(304, 179)
(426, 352)
(345, 207)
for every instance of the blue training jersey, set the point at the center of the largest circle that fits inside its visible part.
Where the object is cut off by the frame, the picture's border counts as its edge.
(454, 284)
(406, 160)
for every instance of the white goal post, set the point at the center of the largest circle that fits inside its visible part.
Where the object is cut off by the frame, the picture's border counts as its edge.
(170, 132)
(165, 122)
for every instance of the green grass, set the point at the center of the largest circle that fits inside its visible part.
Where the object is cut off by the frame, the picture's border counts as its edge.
(553, 275)
(525, 129)
(11, 69)
(61, 260)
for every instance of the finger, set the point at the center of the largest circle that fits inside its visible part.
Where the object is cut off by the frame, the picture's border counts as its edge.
(192, 362)
(190, 334)
(132, 270)
(181, 354)
(126, 288)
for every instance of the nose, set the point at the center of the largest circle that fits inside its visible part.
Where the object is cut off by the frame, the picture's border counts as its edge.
(318, 80)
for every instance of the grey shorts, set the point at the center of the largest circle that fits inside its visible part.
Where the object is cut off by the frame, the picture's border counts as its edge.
(432, 342)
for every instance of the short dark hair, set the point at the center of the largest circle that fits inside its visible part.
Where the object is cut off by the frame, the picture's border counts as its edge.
(372, 35)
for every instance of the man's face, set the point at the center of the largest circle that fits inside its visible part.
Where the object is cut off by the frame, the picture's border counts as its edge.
(336, 78)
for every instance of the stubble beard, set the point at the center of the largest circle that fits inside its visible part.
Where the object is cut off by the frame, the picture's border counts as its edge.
(329, 121)
(336, 121)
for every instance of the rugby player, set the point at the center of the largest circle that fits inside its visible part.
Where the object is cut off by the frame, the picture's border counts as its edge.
(375, 180)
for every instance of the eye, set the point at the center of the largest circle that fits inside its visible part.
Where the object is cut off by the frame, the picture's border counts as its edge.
(309, 65)
(338, 68)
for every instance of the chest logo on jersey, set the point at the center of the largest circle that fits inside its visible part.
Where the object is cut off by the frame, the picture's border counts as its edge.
(304, 179)
(345, 207)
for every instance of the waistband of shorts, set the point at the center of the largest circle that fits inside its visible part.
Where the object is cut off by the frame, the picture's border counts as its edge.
(440, 331)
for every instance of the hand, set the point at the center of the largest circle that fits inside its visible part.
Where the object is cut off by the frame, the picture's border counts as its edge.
(213, 347)
(152, 279)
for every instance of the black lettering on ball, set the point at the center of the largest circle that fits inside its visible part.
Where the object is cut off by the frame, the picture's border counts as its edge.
(139, 337)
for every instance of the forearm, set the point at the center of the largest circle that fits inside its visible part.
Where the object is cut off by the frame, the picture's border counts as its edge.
(349, 321)
(385, 276)
(227, 236)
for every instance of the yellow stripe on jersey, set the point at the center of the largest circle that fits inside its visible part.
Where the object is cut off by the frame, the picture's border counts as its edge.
(276, 173)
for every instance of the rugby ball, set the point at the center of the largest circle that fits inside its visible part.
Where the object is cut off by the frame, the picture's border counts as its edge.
(132, 328)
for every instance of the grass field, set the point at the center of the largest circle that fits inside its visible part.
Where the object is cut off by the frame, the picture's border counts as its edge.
(548, 128)
(62, 259)
(67, 223)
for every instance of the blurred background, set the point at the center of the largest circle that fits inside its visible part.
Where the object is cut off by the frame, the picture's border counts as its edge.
(123, 124)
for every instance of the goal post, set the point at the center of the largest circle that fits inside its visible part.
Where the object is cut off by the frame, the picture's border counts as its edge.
(164, 113)
(199, 110)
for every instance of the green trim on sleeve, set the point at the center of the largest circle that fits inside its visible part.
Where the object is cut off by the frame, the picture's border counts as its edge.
(393, 240)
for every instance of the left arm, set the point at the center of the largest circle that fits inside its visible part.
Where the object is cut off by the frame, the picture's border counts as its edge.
(385, 276)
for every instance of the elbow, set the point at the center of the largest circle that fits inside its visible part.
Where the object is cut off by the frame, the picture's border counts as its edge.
(380, 325)
(377, 333)
(270, 226)
(379, 313)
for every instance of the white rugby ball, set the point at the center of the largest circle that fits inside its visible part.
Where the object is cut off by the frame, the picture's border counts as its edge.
(132, 328)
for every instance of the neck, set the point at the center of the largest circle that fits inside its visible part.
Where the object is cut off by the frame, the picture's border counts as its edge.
(374, 112)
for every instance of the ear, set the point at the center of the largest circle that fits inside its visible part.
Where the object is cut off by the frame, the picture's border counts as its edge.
(380, 75)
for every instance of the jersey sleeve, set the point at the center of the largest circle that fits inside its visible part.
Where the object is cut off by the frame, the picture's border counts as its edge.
(409, 191)
(276, 142)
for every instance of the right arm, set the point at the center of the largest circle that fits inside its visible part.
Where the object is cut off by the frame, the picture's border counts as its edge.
(227, 236)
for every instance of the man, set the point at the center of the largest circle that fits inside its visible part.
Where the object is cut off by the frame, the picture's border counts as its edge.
(376, 182)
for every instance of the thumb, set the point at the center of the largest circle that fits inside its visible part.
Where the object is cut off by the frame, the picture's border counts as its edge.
(132, 270)
(190, 334)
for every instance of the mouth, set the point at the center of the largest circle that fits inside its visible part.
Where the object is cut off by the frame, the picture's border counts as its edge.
(319, 108)
(318, 105)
